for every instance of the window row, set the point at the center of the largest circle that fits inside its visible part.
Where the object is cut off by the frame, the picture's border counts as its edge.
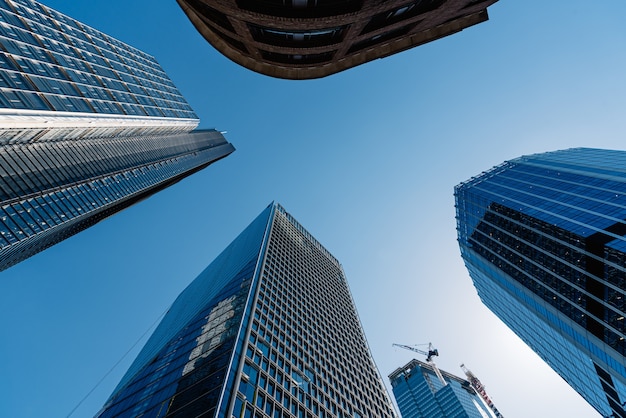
(30, 217)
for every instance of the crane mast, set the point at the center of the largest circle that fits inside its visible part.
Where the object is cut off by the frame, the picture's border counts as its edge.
(480, 389)
(429, 358)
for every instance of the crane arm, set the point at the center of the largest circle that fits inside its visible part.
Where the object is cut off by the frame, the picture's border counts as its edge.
(429, 354)
(429, 358)
(408, 347)
(480, 389)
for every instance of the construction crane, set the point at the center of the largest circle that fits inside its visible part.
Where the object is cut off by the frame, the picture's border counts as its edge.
(480, 389)
(429, 358)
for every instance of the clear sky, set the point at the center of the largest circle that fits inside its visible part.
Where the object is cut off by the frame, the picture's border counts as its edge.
(366, 160)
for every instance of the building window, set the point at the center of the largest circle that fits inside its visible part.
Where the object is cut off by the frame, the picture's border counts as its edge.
(230, 41)
(297, 39)
(297, 59)
(211, 14)
(301, 8)
(377, 39)
(401, 13)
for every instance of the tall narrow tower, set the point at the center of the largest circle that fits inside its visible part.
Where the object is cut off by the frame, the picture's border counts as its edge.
(544, 240)
(268, 329)
(88, 126)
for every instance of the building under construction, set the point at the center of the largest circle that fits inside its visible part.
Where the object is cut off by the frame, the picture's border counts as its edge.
(424, 391)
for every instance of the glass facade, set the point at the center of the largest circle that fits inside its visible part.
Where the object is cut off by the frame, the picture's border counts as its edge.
(52, 62)
(543, 237)
(269, 329)
(420, 393)
(88, 126)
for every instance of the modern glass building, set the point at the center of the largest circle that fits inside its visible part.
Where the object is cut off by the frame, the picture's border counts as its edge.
(88, 126)
(544, 240)
(420, 393)
(269, 329)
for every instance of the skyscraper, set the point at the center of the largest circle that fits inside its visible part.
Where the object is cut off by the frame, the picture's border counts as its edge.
(304, 39)
(420, 393)
(88, 126)
(267, 329)
(544, 240)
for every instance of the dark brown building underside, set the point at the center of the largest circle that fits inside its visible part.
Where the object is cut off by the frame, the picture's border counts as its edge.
(305, 39)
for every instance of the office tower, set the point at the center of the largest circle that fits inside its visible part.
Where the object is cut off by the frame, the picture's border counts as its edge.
(421, 393)
(268, 329)
(88, 127)
(544, 240)
(304, 39)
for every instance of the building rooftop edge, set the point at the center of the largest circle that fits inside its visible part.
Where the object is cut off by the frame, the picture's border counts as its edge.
(417, 363)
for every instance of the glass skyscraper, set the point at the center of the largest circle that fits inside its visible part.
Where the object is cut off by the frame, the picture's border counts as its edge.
(269, 329)
(544, 240)
(420, 393)
(88, 126)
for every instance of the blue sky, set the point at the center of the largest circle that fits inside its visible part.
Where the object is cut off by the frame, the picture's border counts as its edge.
(365, 159)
